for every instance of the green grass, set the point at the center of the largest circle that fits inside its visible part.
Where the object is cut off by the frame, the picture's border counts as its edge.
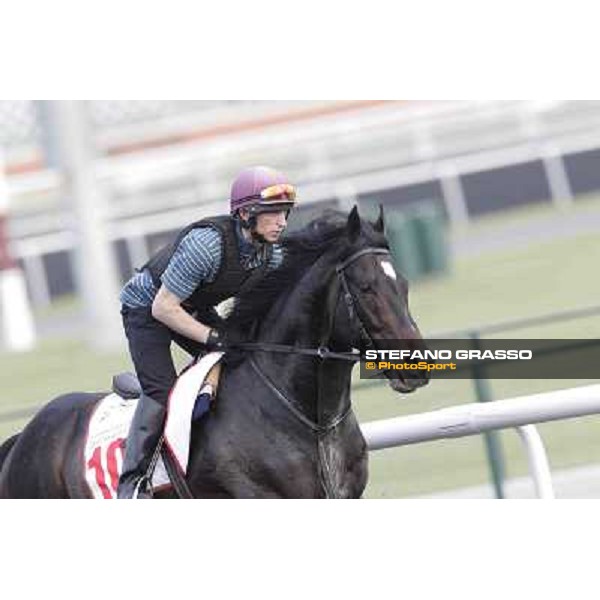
(542, 279)
(529, 282)
(55, 367)
(64, 306)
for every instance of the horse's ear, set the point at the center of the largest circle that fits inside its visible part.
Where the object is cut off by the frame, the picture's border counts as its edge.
(353, 226)
(378, 225)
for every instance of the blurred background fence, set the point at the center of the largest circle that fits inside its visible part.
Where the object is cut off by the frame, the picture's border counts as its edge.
(161, 163)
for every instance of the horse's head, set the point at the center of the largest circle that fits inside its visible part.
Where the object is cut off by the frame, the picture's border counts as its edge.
(374, 296)
(337, 272)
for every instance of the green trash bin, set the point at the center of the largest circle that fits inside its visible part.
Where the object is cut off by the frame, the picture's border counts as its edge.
(430, 230)
(417, 235)
(403, 236)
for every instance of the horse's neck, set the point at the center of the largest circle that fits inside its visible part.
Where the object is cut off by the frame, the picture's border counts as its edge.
(321, 388)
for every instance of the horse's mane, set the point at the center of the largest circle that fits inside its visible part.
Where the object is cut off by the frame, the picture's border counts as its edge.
(300, 250)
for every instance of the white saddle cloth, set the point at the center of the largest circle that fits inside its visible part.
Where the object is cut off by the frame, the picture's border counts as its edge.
(110, 422)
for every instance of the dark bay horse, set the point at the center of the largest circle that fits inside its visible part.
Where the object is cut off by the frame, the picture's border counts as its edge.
(282, 425)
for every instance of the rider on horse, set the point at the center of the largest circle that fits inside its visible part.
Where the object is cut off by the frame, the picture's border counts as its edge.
(174, 295)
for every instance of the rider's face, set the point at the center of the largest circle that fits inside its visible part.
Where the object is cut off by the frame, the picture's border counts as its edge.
(271, 225)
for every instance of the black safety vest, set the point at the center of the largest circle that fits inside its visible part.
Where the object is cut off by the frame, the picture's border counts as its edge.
(231, 278)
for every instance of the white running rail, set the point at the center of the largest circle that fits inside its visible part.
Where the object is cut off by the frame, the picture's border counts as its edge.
(472, 419)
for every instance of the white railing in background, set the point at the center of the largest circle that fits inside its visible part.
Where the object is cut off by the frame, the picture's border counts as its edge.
(397, 145)
(471, 419)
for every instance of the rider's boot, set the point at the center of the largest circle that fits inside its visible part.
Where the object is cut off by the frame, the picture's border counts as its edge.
(142, 441)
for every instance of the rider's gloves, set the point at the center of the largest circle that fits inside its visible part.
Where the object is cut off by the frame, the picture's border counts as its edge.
(215, 342)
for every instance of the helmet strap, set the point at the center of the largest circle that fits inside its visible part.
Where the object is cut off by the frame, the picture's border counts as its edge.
(250, 225)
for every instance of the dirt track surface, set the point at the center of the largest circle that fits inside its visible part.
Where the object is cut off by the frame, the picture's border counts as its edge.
(577, 483)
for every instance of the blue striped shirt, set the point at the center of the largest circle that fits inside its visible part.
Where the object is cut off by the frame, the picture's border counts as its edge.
(196, 260)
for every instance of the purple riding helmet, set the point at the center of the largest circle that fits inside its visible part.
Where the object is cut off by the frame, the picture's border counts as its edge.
(261, 189)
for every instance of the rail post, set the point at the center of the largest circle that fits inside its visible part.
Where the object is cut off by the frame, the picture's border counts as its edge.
(493, 445)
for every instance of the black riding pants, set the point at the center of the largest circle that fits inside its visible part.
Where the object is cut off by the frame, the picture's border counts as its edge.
(150, 349)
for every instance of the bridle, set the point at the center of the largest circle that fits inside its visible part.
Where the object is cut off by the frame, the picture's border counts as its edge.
(349, 299)
(323, 352)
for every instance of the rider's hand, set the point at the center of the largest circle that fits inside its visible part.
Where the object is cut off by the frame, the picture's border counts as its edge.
(215, 342)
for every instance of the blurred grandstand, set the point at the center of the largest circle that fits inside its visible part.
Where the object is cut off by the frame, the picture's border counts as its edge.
(164, 163)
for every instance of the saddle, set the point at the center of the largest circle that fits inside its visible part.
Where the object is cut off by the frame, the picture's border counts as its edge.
(127, 386)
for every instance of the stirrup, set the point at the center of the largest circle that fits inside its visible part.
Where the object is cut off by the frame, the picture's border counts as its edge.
(146, 479)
